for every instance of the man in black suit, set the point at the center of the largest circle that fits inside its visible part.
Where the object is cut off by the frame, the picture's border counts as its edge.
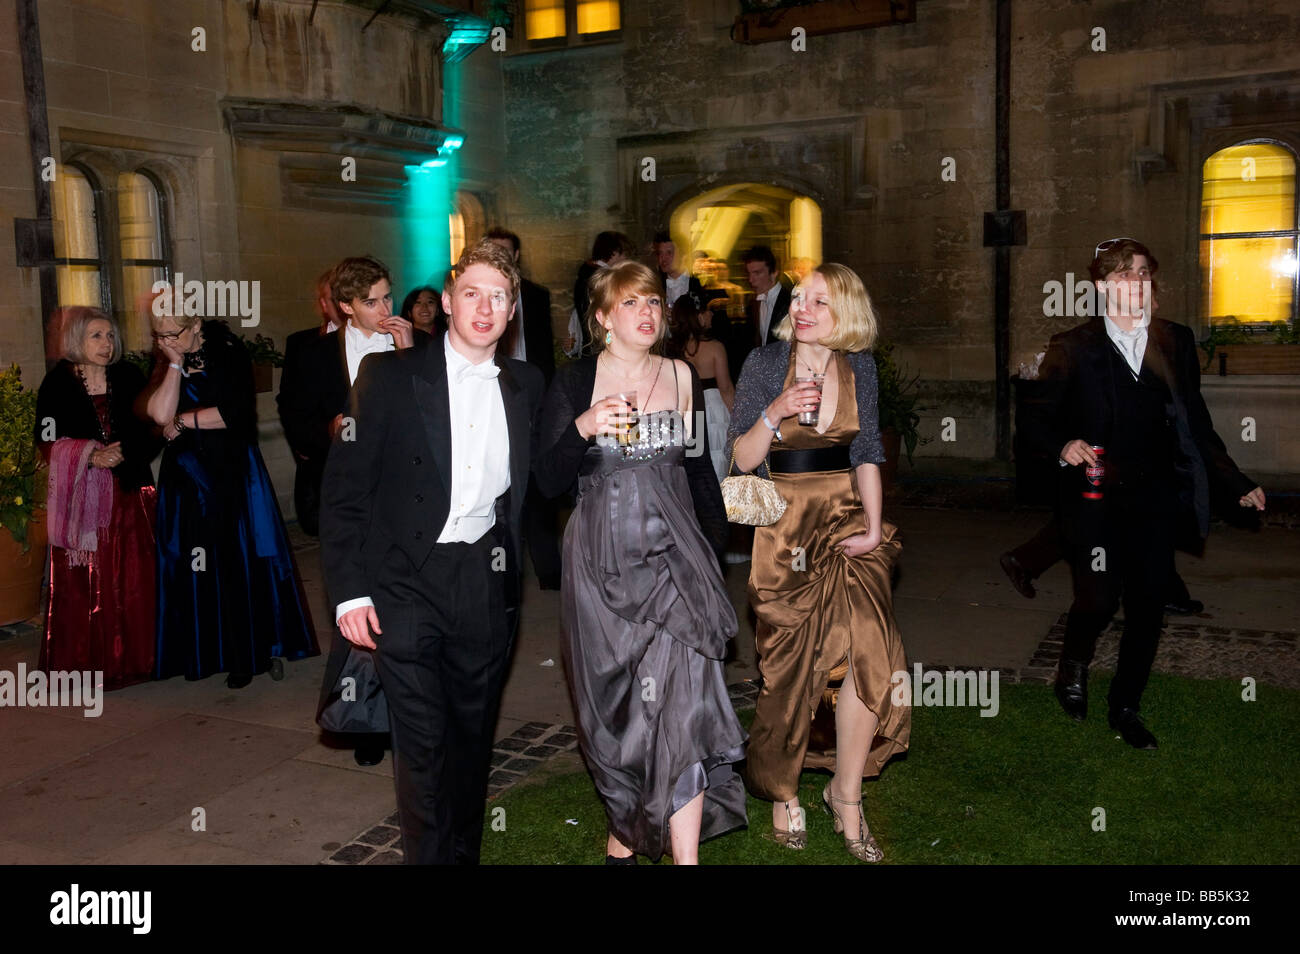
(677, 281)
(1129, 385)
(313, 401)
(763, 313)
(529, 337)
(771, 302)
(531, 317)
(295, 382)
(420, 542)
(607, 250)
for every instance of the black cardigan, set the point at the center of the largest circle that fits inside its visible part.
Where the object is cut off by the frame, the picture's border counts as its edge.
(63, 398)
(561, 449)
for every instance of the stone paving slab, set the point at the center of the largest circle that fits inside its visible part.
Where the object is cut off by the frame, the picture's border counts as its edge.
(1196, 650)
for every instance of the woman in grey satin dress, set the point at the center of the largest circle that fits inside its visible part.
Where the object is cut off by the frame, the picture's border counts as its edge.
(645, 614)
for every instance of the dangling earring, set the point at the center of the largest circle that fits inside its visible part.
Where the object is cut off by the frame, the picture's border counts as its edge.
(609, 337)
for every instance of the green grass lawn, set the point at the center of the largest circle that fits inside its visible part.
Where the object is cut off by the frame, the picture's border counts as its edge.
(1018, 788)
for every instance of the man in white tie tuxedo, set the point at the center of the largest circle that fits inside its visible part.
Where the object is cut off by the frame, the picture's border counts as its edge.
(313, 402)
(420, 543)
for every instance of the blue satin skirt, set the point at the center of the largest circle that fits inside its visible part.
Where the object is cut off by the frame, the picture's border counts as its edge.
(229, 595)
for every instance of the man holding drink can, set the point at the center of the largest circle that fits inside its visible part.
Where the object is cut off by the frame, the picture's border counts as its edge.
(1122, 410)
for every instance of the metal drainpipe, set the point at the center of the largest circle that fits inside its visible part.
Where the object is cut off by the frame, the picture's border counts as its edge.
(38, 137)
(1002, 253)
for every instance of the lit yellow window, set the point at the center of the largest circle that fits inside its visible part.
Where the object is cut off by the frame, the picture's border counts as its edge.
(1248, 235)
(144, 255)
(76, 239)
(597, 16)
(456, 235)
(544, 19)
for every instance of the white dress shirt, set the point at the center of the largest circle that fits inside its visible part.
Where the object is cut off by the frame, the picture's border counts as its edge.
(480, 447)
(1131, 344)
(767, 305)
(676, 288)
(480, 453)
(358, 344)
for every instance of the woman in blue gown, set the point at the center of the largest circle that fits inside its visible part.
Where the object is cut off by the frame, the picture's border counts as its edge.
(229, 596)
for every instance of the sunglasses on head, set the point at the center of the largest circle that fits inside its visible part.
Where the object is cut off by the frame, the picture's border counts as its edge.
(1111, 243)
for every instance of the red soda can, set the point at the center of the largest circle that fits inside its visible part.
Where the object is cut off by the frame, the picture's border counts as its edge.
(1094, 475)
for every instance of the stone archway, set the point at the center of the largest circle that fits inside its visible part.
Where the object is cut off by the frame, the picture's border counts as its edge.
(721, 222)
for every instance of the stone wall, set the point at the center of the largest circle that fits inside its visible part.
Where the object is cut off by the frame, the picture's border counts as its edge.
(126, 89)
(1103, 143)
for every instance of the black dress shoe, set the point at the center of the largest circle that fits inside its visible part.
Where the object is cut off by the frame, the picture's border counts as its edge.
(1072, 689)
(549, 582)
(1187, 607)
(238, 680)
(1129, 725)
(629, 860)
(369, 754)
(1018, 575)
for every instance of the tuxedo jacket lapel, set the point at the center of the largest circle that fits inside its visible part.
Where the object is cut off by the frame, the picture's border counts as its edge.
(430, 393)
(514, 400)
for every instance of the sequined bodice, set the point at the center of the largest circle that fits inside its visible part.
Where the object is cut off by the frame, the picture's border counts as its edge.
(661, 439)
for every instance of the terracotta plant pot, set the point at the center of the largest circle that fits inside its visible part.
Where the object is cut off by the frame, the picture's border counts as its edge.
(1255, 359)
(21, 573)
(262, 376)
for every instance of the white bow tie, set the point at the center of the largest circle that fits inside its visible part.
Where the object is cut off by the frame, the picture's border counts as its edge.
(487, 371)
(375, 343)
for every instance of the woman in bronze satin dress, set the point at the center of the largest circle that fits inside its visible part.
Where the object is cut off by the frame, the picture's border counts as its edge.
(820, 576)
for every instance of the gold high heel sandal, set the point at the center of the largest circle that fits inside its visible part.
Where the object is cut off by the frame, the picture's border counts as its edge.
(862, 848)
(796, 836)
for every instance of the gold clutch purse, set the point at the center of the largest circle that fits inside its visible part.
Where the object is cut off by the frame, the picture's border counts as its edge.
(750, 499)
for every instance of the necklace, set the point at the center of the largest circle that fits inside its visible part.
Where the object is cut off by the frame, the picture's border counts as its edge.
(811, 369)
(646, 397)
(193, 360)
(639, 377)
(108, 400)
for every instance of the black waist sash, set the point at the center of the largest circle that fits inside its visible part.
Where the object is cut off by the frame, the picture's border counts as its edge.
(706, 383)
(812, 460)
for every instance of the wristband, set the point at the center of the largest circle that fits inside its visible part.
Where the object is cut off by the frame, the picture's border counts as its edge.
(771, 427)
(178, 422)
(173, 364)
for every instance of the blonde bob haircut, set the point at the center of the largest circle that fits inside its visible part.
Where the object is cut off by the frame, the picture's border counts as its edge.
(183, 321)
(610, 284)
(855, 318)
(76, 320)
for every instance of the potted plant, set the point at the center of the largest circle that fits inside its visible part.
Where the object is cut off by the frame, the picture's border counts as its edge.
(142, 361)
(265, 357)
(22, 496)
(1251, 348)
(899, 417)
